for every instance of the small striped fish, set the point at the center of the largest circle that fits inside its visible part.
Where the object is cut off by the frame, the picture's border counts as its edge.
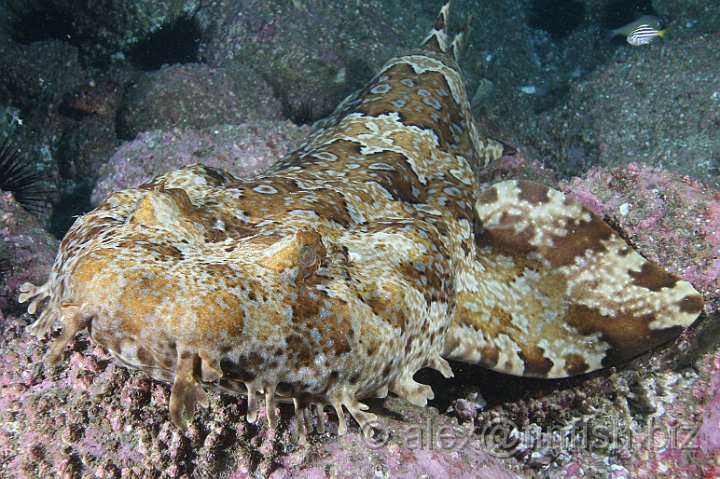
(644, 34)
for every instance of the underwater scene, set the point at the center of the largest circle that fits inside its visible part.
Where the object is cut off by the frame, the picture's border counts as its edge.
(360, 239)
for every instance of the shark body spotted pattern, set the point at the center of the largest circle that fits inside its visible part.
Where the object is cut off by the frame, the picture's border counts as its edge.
(367, 254)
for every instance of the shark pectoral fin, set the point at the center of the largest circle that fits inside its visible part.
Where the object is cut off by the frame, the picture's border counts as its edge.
(490, 149)
(555, 292)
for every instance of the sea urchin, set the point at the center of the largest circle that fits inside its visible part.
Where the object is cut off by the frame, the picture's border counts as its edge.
(18, 176)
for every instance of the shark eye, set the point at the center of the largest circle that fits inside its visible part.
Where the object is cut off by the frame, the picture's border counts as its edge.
(307, 256)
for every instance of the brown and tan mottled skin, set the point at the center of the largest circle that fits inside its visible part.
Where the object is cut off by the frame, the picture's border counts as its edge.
(367, 254)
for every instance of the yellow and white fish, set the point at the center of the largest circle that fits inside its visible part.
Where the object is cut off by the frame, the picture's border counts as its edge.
(641, 31)
(644, 34)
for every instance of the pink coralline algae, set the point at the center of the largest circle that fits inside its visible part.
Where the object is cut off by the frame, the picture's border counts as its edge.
(708, 433)
(243, 150)
(675, 220)
(196, 96)
(682, 441)
(26, 249)
(671, 216)
(515, 166)
(94, 419)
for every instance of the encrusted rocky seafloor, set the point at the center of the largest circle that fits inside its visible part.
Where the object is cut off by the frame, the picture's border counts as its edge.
(609, 125)
(656, 416)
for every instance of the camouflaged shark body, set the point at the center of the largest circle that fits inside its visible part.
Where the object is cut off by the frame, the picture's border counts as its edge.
(367, 254)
